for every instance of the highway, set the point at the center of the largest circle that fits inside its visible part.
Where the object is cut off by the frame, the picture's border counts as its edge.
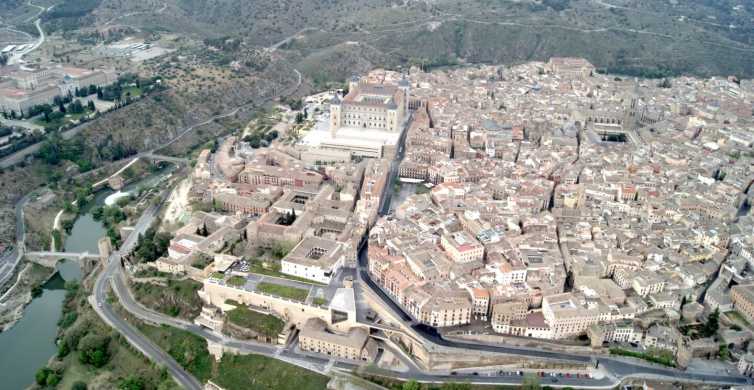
(113, 276)
(617, 367)
(314, 363)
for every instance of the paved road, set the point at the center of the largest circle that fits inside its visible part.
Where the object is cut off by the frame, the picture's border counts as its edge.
(16, 57)
(618, 367)
(284, 41)
(26, 124)
(394, 167)
(316, 363)
(22, 154)
(10, 259)
(134, 337)
(114, 275)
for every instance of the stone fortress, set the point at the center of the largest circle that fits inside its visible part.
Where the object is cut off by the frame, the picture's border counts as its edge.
(368, 105)
(365, 123)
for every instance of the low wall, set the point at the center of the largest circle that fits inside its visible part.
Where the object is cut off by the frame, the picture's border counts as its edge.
(543, 345)
(440, 358)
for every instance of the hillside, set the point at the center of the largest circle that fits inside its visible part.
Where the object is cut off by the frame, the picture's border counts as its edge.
(701, 37)
(197, 92)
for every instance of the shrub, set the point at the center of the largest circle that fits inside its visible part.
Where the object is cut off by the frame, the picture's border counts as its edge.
(93, 350)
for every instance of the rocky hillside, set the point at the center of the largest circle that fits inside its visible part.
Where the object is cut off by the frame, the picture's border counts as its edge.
(631, 36)
(196, 93)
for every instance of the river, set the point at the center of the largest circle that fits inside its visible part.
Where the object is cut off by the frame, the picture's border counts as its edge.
(29, 344)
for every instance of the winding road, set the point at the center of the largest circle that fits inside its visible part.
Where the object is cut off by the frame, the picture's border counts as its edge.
(17, 56)
(98, 299)
(10, 259)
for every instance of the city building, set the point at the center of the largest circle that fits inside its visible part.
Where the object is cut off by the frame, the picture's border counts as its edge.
(370, 106)
(354, 345)
(315, 259)
(743, 300)
(462, 247)
(22, 88)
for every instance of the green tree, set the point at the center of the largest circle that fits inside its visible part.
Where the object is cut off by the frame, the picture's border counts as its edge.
(724, 352)
(78, 386)
(281, 249)
(67, 225)
(152, 245)
(530, 382)
(411, 385)
(712, 325)
(41, 376)
(132, 383)
(456, 386)
(63, 350)
(76, 107)
(255, 142)
(53, 378)
(93, 350)
(271, 135)
(68, 319)
(47, 377)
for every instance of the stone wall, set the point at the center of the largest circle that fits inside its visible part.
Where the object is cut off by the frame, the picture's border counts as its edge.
(292, 311)
(522, 342)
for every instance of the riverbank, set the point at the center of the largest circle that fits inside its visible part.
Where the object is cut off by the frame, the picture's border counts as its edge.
(51, 215)
(31, 341)
(31, 278)
(36, 321)
(108, 360)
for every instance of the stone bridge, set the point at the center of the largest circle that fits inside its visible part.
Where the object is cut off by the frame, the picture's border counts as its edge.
(50, 259)
(66, 255)
(150, 156)
(171, 159)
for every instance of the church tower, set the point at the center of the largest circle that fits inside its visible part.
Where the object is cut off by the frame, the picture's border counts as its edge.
(335, 113)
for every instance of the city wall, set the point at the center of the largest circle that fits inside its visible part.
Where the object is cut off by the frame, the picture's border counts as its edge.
(292, 311)
(543, 345)
(439, 358)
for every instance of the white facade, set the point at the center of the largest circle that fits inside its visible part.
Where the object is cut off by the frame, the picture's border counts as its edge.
(311, 272)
